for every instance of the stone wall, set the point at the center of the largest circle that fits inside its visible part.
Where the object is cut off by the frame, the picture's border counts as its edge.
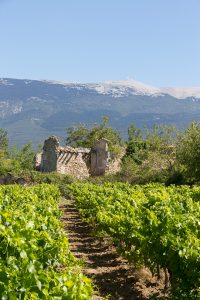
(50, 154)
(99, 158)
(75, 162)
(78, 162)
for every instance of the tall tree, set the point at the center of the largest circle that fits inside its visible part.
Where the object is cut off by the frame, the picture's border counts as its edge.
(3, 139)
(135, 145)
(188, 152)
(82, 136)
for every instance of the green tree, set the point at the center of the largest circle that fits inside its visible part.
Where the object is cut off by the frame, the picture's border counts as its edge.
(188, 152)
(22, 159)
(5, 163)
(135, 145)
(82, 136)
(136, 150)
(160, 138)
(77, 136)
(134, 133)
(3, 140)
(150, 155)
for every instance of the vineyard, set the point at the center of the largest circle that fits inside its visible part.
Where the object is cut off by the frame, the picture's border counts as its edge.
(35, 261)
(151, 225)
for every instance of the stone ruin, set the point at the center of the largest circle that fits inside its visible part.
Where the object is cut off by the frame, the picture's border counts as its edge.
(78, 162)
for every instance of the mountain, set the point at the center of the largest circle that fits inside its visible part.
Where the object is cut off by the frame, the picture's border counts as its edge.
(32, 110)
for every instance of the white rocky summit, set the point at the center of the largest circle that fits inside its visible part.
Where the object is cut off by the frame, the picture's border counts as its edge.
(121, 88)
(130, 87)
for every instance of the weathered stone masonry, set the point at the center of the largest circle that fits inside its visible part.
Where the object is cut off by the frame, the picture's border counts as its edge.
(78, 162)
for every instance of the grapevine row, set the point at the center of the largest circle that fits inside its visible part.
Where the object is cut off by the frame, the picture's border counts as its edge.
(151, 225)
(35, 261)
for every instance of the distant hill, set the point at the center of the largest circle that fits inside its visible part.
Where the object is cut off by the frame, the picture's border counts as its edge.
(32, 110)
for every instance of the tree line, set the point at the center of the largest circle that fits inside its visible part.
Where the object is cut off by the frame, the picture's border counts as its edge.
(161, 154)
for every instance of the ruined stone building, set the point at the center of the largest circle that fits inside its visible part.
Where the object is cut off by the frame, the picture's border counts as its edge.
(78, 162)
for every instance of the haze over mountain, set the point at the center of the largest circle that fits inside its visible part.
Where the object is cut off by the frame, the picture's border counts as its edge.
(32, 110)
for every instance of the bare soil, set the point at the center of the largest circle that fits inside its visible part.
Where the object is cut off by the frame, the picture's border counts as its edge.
(113, 277)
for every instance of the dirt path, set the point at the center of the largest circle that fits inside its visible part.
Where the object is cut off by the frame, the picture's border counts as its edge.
(110, 273)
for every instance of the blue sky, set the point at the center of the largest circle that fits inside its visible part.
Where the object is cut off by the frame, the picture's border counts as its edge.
(153, 41)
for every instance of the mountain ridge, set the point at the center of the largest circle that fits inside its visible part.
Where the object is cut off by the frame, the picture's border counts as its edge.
(138, 87)
(131, 85)
(31, 110)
